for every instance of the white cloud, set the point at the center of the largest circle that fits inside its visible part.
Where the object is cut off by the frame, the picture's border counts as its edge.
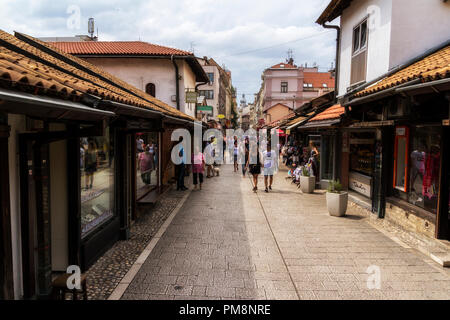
(247, 36)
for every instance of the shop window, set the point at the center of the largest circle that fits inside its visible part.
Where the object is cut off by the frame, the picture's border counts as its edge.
(401, 158)
(97, 181)
(150, 89)
(362, 152)
(146, 163)
(424, 168)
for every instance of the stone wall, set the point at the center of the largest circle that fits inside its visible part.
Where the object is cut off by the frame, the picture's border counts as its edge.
(410, 220)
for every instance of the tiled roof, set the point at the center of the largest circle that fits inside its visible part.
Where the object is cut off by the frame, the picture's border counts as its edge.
(296, 120)
(333, 112)
(26, 67)
(276, 105)
(117, 48)
(333, 10)
(433, 67)
(283, 66)
(318, 79)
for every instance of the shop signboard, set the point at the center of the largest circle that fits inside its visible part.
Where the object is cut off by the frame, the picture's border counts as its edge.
(205, 109)
(191, 97)
(360, 183)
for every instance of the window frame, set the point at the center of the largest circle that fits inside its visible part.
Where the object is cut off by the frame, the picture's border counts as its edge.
(210, 73)
(153, 86)
(359, 28)
(284, 86)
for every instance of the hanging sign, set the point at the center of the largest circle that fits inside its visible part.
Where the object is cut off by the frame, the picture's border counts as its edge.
(191, 97)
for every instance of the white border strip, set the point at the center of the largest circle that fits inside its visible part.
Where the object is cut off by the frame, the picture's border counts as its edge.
(126, 280)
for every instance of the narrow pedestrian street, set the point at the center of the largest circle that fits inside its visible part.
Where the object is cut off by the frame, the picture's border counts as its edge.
(227, 242)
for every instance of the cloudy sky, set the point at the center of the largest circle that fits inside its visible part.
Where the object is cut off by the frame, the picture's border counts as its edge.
(246, 36)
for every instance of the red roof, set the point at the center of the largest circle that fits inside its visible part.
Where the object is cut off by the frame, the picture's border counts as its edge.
(333, 112)
(318, 79)
(283, 66)
(117, 48)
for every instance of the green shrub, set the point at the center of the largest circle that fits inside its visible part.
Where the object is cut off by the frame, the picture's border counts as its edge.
(335, 186)
(305, 171)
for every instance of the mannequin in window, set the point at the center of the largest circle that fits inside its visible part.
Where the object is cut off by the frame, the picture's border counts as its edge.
(150, 89)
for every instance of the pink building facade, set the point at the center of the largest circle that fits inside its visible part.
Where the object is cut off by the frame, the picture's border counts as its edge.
(292, 86)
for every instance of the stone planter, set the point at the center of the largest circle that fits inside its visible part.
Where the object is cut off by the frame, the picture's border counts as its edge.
(337, 203)
(307, 184)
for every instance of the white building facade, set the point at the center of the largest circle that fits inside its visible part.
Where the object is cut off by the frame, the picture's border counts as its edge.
(388, 33)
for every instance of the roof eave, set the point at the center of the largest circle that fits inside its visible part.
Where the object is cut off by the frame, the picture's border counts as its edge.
(332, 11)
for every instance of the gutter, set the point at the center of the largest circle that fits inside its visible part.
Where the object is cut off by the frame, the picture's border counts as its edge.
(66, 105)
(431, 84)
(177, 84)
(338, 45)
(380, 94)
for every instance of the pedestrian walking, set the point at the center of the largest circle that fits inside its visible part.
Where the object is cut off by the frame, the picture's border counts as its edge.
(209, 159)
(269, 161)
(181, 167)
(245, 152)
(255, 168)
(313, 157)
(235, 156)
(198, 167)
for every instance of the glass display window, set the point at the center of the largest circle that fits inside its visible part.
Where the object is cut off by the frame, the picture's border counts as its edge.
(424, 167)
(147, 159)
(401, 158)
(362, 152)
(327, 163)
(97, 181)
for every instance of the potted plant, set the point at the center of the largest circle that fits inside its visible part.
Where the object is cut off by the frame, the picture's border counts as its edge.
(336, 199)
(307, 182)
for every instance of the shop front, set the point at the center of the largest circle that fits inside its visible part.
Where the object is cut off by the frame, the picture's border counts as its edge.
(361, 161)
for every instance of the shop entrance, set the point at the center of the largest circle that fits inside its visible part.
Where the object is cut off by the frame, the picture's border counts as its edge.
(44, 212)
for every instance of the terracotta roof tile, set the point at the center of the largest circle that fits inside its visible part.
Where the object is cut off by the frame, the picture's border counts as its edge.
(318, 79)
(117, 48)
(48, 74)
(433, 67)
(333, 112)
(282, 65)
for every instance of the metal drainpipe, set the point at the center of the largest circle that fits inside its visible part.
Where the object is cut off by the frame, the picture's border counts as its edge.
(177, 84)
(338, 44)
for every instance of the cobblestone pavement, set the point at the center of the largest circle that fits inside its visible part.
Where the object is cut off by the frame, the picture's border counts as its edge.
(107, 272)
(227, 242)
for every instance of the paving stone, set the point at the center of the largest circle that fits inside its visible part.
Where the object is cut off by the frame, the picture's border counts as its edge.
(222, 292)
(220, 246)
